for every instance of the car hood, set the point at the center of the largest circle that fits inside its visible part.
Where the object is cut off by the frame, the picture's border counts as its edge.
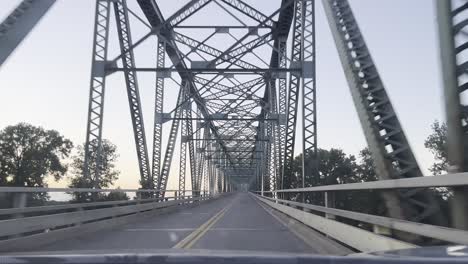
(454, 254)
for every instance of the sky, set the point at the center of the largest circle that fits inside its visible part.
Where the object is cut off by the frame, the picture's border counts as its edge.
(46, 81)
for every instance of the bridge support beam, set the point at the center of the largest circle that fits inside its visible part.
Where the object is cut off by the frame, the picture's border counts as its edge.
(19, 23)
(93, 142)
(133, 93)
(457, 137)
(387, 142)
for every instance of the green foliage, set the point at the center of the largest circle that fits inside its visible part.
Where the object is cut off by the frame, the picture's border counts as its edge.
(369, 202)
(437, 145)
(336, 167)
(28, 154)
(436, 142)
(107, 168)
(117, 195)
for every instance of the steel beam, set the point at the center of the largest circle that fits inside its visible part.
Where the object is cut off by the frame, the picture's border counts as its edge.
(387, 142)
(453, 66)
(297, 54)
(93, 142)
(17, 25)
(166, 166)
(158, 111)
(133, 93)
(309, 98)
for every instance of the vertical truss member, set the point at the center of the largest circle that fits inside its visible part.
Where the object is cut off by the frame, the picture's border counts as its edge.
(260, 155)
(158, 113)
(279, 60)
(203, 158)
(294, 84)
(282, 64)
(183, 143)
(96, 94)
(453, 49)
(273, 143)
(200, 154)
(387, 142)
(166, 167)
(133, 94)
(19, 23)
(193, 167)
(205, 172)
(309, 107)
(209, 166)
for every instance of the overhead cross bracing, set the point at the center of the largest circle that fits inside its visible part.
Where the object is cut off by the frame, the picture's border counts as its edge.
(233, 82)
(241, 82)
(232, 67)
(231, 72)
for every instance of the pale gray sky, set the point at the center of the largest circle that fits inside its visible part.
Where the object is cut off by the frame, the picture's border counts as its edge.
(46, 81)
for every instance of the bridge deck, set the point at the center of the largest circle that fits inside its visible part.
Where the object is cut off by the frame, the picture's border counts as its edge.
(233, 222)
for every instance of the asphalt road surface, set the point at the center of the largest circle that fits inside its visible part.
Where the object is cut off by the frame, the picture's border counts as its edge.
(233, 222)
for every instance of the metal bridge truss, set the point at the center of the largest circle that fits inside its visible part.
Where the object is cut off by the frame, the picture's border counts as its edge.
(453, 33)
(233, 108)
(242, 86)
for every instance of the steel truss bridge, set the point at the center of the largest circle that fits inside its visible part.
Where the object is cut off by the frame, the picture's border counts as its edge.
(242, 89)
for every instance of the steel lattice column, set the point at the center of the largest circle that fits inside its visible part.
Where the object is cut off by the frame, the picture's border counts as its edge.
(158, 114)
(282, 108)
(202, 161)
(19, 23)
(193, 166)
(97, 89)
(183, 143)
(293, 94)
(387, 142)
(166, 167)
(309, 107)
(133, 93)
(271, 135)
(452, 21)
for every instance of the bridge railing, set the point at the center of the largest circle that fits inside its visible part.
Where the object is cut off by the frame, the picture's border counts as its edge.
(361, 239)
(23, 221)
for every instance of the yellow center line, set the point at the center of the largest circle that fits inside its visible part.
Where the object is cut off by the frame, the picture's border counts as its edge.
(193, 237)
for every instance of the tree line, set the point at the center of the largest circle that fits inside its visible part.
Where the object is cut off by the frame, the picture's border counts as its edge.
(29, 154)
(336, 167)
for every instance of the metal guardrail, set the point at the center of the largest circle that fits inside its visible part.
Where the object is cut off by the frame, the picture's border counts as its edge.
(53, 221)
(450, 235)
(448, 180)
(23, 221)
(442, 233)
(354, 237)
(85, 190)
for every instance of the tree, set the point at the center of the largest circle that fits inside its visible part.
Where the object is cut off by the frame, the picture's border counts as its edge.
(28, 154)
(117, 195)
(108, 172)
(336, 167)
(365, 201)
(437, 144)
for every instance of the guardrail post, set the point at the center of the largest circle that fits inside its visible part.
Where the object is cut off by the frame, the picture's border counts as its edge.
(80, 209)
(19, 201)
(329, 203)
(138, 197)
